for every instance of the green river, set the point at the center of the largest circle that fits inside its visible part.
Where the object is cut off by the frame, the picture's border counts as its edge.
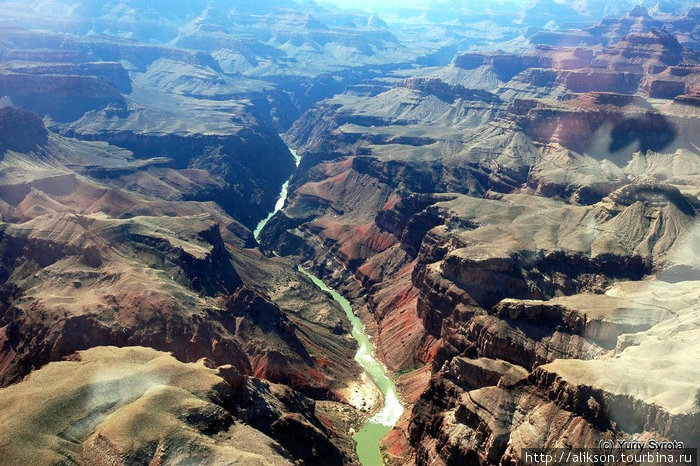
(280, 200)
(376, 427)
(381, 423)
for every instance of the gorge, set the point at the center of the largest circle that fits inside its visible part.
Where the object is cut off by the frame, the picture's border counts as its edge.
(376, 427)
(287, 232)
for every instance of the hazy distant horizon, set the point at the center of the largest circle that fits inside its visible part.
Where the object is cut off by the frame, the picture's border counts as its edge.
(379, 6)
(389, 7)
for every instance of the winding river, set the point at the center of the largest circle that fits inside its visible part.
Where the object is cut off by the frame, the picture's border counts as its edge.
(280, 200)
(376, 427)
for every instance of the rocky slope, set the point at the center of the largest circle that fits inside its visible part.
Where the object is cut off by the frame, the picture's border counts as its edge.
(137, 406)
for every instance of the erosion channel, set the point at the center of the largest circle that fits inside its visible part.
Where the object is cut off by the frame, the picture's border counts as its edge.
(376, 427)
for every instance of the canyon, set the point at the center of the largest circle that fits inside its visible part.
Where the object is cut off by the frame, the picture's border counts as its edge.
(206, 211)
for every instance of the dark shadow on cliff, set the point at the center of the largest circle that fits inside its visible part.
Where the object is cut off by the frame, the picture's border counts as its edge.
(20, 131)
(651, 132)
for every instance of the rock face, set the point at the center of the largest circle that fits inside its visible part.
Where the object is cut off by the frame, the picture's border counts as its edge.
(577, 399)
(66, 98)
(246, 166)
(20, 130)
